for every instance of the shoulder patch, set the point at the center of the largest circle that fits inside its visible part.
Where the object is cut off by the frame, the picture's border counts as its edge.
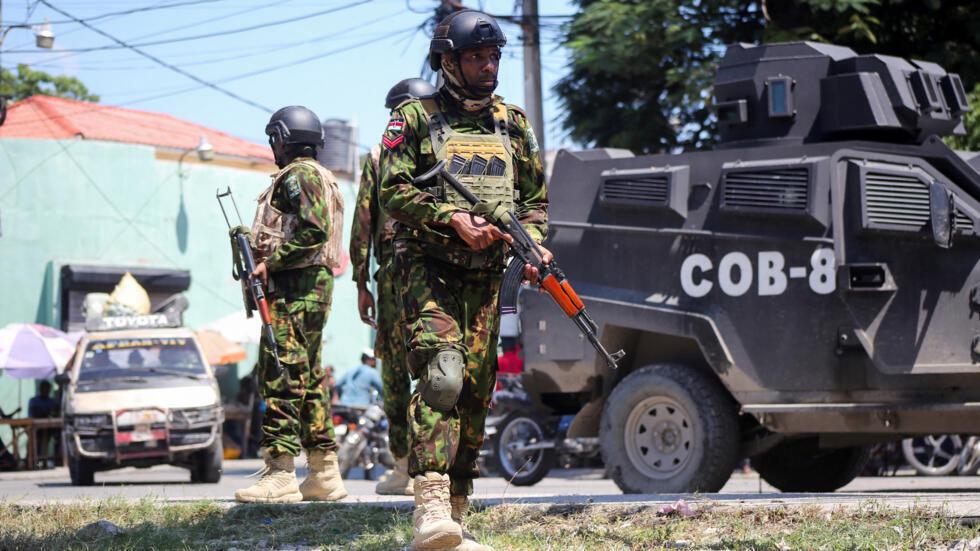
(394, 133)
(293, 187)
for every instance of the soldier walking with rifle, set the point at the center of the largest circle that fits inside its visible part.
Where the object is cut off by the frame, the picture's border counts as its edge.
(297, 239)
(450, 260)
(373, 230)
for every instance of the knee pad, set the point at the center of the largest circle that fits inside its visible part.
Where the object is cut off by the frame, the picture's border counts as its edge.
(443, 382)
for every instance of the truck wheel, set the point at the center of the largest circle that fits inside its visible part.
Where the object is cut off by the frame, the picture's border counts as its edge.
(669, 428)
(799, 465)
(933, 455)
(522, 468)
(81, 472)
(207, 465)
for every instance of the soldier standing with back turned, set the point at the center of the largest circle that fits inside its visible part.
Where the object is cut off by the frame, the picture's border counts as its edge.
(372, 229)
(451, 260)
(297, 236)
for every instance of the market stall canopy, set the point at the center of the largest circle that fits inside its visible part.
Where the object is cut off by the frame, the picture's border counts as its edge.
(34, 351)
(238, 328)
(219, 350)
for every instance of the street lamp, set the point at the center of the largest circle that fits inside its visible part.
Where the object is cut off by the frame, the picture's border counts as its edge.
(205, 153)
(43, 38)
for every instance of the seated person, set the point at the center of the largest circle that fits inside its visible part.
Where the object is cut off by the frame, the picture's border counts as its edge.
(356, 386)
(43, 406)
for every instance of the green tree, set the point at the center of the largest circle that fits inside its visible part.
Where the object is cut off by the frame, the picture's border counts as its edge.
(970, 142)
(641, 70)
(27, 82)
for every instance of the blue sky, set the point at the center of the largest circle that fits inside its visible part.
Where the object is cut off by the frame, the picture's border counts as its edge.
(357, 53)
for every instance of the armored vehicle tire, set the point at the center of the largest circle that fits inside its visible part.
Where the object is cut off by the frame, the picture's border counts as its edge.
(81, 472)
(522, 468)
(669, 428)
(799, 465)
(206, 468)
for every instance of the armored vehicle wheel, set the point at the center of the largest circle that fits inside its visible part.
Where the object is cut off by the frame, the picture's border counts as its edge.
(207, 464)
(669, 428)
(799, 465)
(81, 472)
(523, 467)
(933, 455)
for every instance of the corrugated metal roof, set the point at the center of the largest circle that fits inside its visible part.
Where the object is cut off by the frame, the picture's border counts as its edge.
(48, 117)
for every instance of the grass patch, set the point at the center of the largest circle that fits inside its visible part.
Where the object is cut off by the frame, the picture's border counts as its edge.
(156, 524)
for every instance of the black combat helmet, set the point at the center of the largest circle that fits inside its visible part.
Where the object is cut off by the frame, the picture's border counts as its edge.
(462, 30)
(294, 131)
(294, 125)
(410, 88)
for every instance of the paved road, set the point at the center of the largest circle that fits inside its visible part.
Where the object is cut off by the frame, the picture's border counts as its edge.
(958, 495)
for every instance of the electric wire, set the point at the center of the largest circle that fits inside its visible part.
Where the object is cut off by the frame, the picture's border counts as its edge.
(159, 61)
(191, 38)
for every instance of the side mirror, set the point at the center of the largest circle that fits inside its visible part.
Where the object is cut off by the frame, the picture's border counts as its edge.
(942, 210)
(62, 378)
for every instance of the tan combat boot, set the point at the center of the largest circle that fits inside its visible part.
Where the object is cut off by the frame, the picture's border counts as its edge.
(434, 527)
(277, 484)
(323, 482)
(460, 505)
(396, 482)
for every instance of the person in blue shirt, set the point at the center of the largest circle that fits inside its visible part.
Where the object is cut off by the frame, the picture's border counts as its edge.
(356, 386)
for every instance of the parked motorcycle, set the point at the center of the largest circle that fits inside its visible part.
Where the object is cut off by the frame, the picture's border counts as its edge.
(363, 436)
(524, 444)
(943, 454)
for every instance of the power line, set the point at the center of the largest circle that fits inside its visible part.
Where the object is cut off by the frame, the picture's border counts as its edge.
(157, 33)
(152, 7)
(248, 74)
(194, 37)
(259, 50)
(159, 61)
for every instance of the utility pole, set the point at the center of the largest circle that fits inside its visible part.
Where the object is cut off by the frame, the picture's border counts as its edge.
(532, 69)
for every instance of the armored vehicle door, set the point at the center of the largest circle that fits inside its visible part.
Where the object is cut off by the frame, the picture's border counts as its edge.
(914, 304)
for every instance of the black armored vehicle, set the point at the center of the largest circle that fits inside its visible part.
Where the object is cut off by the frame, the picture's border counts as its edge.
(807, 288)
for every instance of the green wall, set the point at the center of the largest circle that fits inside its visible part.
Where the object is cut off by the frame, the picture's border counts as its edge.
(78, 201)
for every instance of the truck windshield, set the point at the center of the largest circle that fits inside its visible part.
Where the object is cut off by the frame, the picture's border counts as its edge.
(142, 358)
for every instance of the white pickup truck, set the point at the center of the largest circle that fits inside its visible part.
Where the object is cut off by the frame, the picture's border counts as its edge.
(140, 398)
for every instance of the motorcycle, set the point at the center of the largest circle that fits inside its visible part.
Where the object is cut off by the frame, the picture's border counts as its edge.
(524, 444)
(943, 454)
(363, 436)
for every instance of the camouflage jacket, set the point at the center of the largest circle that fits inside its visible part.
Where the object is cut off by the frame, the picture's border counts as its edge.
(408, 153)
(372, 228)
(301, 193)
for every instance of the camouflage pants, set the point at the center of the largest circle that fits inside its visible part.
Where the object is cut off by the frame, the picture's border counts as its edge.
(297, 402)
(449, 307)
(389, 345)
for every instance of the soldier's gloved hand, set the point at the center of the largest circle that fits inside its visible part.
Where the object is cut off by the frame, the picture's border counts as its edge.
(476, 231)
(531, 273)
(365, 306)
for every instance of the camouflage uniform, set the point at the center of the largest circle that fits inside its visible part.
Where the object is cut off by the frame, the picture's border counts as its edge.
(373, 229)
(297, 402)
(451, 292)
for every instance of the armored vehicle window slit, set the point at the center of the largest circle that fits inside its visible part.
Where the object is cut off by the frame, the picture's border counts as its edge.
(659, 188)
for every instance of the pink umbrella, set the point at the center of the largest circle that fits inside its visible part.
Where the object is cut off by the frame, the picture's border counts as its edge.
(34, 351)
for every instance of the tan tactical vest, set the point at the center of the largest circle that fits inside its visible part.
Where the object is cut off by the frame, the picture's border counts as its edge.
(273, 227)
(484, 163)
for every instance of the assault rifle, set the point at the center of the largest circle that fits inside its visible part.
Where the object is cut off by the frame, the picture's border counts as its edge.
(243, 265)
(551, 279)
